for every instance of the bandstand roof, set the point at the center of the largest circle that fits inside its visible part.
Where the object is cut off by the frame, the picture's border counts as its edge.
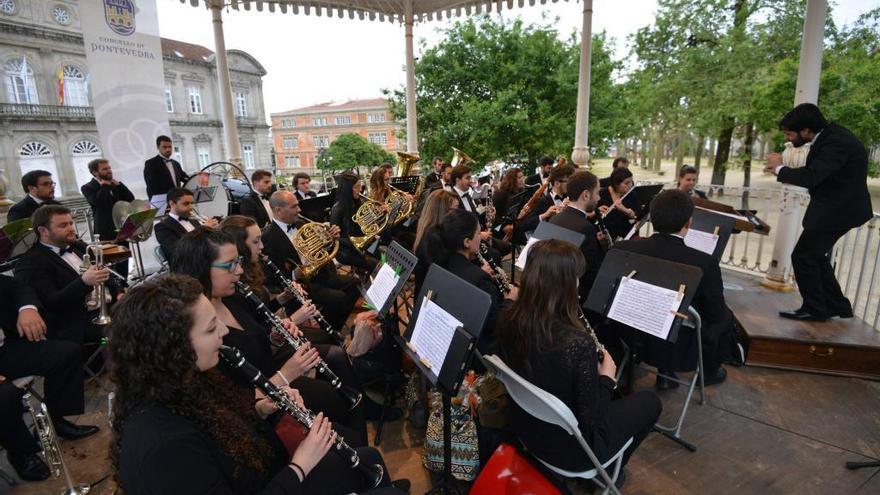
(381, 10)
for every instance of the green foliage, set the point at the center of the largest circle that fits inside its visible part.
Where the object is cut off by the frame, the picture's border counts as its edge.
(349, 151)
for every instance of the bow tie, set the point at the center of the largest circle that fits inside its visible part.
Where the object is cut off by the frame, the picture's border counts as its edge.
(183, 218)
(265, 197)
(65, 250)
(557, 197)
(291, 228)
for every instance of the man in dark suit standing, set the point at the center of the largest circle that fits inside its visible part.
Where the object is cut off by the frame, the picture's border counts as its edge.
(163, 173)
(671, 213)
(302, 186)
(835, 173)
(545, 165)
(336, 293)
(102, 192)
(256, 204)
(39, 189)
(434, 177)
(178, 221)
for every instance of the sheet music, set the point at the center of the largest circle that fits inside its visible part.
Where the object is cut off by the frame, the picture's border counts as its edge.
(433, 334)
(382, 287)
(521, 259)
(701, 241)
(645, 307)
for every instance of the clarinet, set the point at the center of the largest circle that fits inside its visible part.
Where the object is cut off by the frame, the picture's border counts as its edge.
(600, 349)
(302, 415)
(500, 278)
(608, 243)
(299, 296)
(350, 394)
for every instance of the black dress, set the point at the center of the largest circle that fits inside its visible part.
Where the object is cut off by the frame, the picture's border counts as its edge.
(617, 223)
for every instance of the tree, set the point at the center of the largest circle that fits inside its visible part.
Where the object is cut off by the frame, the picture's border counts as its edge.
(349, 151)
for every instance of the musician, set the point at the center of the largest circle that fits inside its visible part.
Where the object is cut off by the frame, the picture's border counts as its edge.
(512, 184)
(336, 294)
(302, 184)
(39, 188)
(379, 180)
(25, 351)
(348, 200)
(52, 267)
(687, 181)
(454, 244)
(256, 204)
(163, 173)
(182, 427)
(179, 220)
(438, 203)
(211, 256)
(550, 203)
(102, 192)
(545, 164)
(836, 176)
(619, 162)
(671, 212)
(620, 211)
(434, 177)
(541, 337)
(461, 186)
(582, 191)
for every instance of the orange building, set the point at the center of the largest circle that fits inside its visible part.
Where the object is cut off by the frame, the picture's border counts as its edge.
(300, 134)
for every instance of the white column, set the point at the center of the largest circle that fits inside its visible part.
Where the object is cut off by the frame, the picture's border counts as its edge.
(412, 137)
(807, 91)
(580, 155)
(227, 116)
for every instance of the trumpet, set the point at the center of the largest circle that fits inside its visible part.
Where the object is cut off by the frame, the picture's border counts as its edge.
(351, 395)
(94, 256)
(305, 417)
(293, 289)
(49, 444)
(316, 244)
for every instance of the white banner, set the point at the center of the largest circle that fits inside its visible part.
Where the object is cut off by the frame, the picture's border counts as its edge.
(121, 39)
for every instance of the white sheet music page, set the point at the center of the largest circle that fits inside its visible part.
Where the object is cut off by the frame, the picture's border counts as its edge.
(521, 259)
(646, 307)
(432, 334)
(382, 286)
(701, 241)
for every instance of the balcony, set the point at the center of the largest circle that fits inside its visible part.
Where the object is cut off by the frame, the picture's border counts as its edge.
(52, 112)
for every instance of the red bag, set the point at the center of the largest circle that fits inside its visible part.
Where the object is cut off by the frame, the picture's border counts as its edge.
(509, 473)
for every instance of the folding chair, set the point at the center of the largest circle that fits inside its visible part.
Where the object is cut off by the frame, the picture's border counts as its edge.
(25, 383)
(548, 408)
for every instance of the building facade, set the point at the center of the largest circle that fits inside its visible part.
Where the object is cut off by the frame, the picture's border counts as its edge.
(46, 114)
(299, 135)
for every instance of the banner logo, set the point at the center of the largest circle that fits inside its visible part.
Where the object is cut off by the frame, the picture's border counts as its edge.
(119, 15)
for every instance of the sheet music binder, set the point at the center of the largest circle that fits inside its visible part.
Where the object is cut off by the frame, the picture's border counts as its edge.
(641, 199)
(318, 208)
(469, 305)
(706, 221)
(547, 230)
(619, 263)
(403, 262)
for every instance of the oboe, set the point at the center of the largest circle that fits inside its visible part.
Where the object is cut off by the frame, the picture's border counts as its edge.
(600, 349)
(304, 416)
(350, 394)
(500, 278)
(293, 289)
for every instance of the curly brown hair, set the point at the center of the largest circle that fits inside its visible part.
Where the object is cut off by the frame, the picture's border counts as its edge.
(152, 363)
(254, 276)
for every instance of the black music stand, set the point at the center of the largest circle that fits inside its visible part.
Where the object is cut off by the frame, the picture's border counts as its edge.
(547, 230)
(15, 239)
(204, 194)
(318, 208)
(135, 225)
(469, 305)
(713, 223)
(407, 184)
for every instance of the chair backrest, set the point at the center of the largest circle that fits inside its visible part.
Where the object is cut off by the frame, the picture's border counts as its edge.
(534, 400)
(160, 255)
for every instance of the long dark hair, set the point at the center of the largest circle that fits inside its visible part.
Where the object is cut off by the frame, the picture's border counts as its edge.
(236, 226)
(438, 203)
(152, 363)
(510, 182)
(344, 196)
(446, 238)
(196, 251)
(532, 324)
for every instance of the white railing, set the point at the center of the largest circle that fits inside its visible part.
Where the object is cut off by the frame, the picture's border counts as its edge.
(855, 260)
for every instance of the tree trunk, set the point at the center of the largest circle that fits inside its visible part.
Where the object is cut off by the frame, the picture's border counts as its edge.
(643, 157)
(747, 163)
(711, 155)
(659, 145)
(719, 168)
(679, 151)
(698, 151)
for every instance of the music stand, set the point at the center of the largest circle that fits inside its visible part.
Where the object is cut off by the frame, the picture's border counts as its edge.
(403, 263)
(318, 208)
(710, 222)
(135, 228)
(470, 306)
(548, 230)
(407, 184)
(16, 238)
(204, 194)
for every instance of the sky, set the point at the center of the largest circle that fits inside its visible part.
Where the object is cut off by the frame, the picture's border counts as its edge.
(312, 59)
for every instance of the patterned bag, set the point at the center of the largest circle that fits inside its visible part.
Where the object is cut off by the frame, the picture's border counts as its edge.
(465, 443)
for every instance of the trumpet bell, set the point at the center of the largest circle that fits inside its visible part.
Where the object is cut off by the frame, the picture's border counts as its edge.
(405, 163)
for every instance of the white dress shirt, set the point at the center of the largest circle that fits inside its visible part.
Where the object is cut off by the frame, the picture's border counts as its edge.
(170, 165)
(186, 224)
(466, 201)
(69, 257)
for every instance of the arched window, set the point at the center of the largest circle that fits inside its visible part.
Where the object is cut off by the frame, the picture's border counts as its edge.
(18, 77)
(76, 90)
(35, 155)
(34, 149)
(85, 147)
(83, 152)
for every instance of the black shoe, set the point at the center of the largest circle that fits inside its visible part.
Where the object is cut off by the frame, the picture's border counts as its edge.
(802, 316)
(795, 312)
(402, 484)
(373, 411)
(30, 467)
(664, 383)
(716, 377)
(841, 314)
(66, 429)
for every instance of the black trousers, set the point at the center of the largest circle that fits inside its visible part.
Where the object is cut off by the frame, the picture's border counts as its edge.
(335, 294)
(14, 435)
(811, 260)
(59, 362)
(631, 416)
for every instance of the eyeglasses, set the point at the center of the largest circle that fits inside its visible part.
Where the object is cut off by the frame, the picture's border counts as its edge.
(229, 266)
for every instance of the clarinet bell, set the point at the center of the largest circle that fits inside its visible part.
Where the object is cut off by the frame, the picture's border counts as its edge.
(376, 474)
(351, 395)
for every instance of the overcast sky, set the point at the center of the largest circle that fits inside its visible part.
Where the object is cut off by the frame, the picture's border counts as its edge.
(313, 59)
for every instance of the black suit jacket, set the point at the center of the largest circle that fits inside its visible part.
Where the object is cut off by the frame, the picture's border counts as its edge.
(472, 274)
(300, 196)
(431, 179)
(534, 179)
(532, 219)
(15, 294)
(157, 177)
(573, 219)
(168, 233)
(836, 175)
(252, 206)
(25, 208)
(102, 198)
(279, 249)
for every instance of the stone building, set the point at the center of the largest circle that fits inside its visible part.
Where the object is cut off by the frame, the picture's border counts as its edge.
(46, 114)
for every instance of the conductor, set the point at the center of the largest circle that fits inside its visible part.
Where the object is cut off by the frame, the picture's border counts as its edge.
(835, 174)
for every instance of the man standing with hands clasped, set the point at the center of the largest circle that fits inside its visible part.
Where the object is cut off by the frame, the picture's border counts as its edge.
(835, 174)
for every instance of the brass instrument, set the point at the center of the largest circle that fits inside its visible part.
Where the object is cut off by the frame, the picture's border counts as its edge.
(373, 473)
(405, 163)
(372, 217)
(460, 158)
(49, 443)
(315, 244)
(399, 201)
(94, 256)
